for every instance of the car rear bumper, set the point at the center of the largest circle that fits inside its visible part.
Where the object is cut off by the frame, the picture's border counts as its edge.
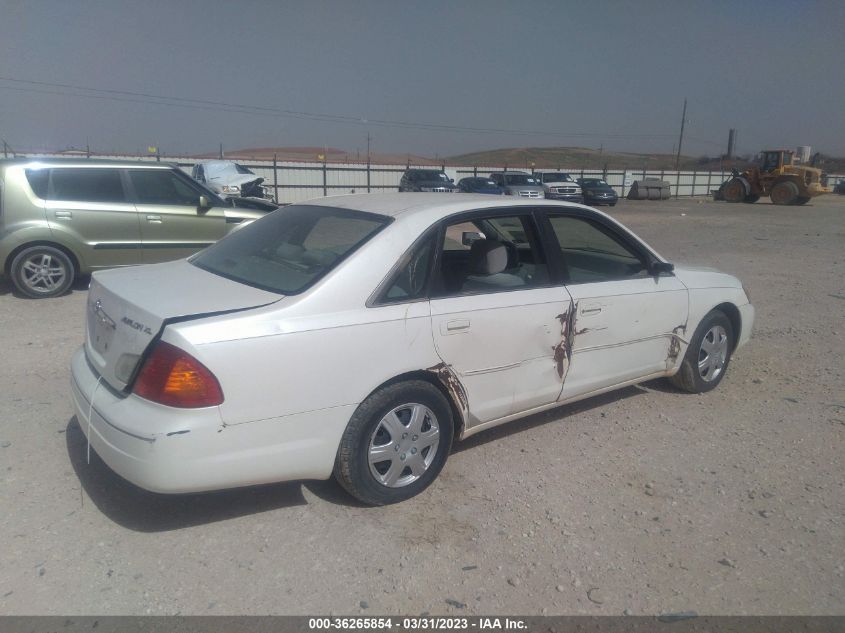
(169, 450)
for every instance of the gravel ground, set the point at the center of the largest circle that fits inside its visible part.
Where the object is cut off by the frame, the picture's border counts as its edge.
(642, 501)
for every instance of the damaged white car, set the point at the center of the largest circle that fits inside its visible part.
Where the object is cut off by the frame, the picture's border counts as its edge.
(358, 336)
(230, 180)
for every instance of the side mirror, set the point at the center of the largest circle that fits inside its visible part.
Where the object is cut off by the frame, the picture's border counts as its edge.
(452, 180)
(203, 204)
(468, 237)
(661, 267)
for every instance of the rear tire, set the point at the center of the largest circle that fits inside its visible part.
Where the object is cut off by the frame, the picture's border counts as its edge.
(395, 444)
(733, 190)
(784, 192)
(751, 198)
(802, 199)
(39, 272)
(708, 355)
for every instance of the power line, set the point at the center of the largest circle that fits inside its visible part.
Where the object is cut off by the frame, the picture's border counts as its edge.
(71, 90)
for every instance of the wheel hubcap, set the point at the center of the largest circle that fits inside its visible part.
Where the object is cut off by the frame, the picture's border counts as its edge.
(403, 445)
(713, 353)
(41, 274)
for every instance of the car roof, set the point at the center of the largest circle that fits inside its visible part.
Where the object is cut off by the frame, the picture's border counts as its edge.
(433, 205)
(46, 161)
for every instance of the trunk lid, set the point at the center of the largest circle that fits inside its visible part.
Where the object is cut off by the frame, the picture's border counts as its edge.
(128, 307)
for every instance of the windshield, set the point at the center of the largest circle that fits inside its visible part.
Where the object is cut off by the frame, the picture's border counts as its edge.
(290, 249)
(556, 177)
(481, 182)
(428, 174)
(594, 182)
(243, 170)
(213, 197)
(519, 179)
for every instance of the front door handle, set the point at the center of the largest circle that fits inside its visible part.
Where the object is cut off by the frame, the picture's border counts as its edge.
(588, 310)
(154, 219)
(454, 326)
(63, 215)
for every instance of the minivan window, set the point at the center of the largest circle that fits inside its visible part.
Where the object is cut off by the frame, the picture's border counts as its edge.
(163, 186)
(86, 185)
(38, 180)
(290, 249)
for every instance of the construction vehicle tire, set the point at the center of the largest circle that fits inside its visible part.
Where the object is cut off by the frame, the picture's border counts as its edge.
(784, 192)
(733, 190)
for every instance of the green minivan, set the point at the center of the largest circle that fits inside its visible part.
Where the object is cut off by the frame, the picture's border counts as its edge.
(60, 218)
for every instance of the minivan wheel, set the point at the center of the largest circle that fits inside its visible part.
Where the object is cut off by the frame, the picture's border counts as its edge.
(396, 443)
(708, 354)
(42, 271)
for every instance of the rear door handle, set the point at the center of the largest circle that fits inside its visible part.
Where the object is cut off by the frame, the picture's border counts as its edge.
(154, 219)
(593, 308)
(455, 326)
(63, 215)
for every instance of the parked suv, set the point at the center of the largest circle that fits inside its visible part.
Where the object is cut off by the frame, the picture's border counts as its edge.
(518, 183)
(60, 218)
(559, 185)
(426, 180)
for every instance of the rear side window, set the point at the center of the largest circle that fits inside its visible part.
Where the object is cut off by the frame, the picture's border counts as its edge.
(86, 185)
(38, 180)
(163, 186)
(290, 249)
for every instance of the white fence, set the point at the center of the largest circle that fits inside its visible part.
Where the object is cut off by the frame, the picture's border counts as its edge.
(294, 181)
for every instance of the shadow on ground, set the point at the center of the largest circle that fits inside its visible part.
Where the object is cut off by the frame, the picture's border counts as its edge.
(552, 415)
(143, 511)
(80, 284)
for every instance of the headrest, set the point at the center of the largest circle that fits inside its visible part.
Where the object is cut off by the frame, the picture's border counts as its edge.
(487, 257)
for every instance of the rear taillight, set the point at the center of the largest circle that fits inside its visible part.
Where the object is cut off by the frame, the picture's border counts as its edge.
(173, 377)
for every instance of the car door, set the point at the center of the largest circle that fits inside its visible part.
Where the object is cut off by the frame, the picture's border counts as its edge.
(495, 314)
(624, 318)
(173, 225)
(89, 208)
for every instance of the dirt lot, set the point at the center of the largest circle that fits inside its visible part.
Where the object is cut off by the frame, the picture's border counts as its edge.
(642, 501)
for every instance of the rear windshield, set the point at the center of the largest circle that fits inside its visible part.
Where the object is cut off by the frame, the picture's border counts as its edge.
(290, 249)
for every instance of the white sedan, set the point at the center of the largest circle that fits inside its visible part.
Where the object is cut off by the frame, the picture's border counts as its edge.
(359, 335)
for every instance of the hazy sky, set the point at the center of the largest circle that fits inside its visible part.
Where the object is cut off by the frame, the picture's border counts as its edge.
(583, 73)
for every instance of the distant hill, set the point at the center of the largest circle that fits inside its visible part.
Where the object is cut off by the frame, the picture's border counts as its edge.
(526, 158)
(332, 155)
(571, 157)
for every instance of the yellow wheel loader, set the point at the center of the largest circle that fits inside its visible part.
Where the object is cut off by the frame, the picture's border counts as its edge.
(774, 175)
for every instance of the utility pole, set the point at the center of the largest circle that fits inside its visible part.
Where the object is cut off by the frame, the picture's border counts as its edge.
(681, 140)
(368, 147)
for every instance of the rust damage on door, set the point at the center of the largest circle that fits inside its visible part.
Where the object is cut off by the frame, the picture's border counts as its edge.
(450, 382)
(675, 343)
(563, 350)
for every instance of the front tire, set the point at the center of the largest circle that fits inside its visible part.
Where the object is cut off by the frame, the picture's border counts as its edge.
(39, 272)
(802, 199)
(751, 198)
(395, 444)
(733, 190)
(708, 354)
(784, 192)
